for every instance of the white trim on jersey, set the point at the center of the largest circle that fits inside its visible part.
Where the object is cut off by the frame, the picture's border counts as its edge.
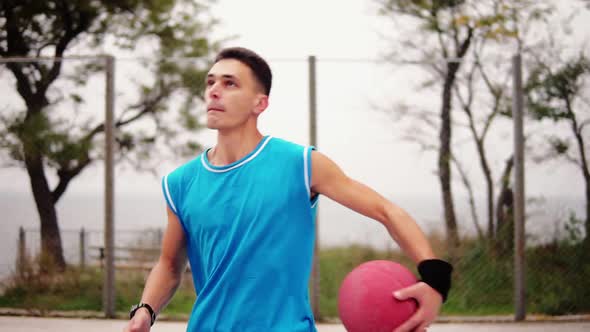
(306, 171)
(238, 165)
(168, 195)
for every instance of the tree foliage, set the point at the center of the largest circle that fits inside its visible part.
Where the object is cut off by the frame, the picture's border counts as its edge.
(50, 131)
(552, 91)
(560, 92)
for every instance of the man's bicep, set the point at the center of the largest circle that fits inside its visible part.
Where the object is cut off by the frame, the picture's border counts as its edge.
(326, 177)
(329, 180)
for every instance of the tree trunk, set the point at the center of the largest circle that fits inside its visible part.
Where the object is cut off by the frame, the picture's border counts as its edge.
(504, 241)
(587, 238)
(586, 174)
(445, 153)
(490, 189)
(51, 248)
(444, 157)
(490, 198)
(583, 166)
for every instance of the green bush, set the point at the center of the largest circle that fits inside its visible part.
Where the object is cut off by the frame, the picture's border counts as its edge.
(557, 279)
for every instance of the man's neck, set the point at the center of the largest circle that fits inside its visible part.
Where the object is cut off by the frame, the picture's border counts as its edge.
(233, 146)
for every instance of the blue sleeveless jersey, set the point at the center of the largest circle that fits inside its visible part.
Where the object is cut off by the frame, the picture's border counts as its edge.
(250, 238)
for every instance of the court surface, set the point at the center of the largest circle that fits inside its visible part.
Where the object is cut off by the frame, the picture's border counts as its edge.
(34, 324)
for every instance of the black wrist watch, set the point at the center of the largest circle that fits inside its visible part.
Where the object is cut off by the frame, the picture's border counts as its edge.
(143, 305)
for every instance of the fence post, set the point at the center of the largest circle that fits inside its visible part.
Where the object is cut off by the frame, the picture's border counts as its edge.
(21, 259)
(519, 194)
(82, 248)
(108, 301)
(315, 272)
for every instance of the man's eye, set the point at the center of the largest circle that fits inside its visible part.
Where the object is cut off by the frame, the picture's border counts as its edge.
(230, 83)
(210, 82)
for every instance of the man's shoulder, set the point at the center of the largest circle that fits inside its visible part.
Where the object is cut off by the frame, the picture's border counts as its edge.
(189, 167)
(284, 144)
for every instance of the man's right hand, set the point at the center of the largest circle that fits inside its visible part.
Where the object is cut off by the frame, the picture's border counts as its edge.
(141, 322)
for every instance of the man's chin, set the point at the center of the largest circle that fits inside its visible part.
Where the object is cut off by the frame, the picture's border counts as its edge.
(213, 125)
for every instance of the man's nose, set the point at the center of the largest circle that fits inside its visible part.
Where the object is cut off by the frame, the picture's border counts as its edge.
(213, 91)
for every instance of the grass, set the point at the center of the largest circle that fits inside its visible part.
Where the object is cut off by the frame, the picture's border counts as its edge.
(557, 281)
(77, 289)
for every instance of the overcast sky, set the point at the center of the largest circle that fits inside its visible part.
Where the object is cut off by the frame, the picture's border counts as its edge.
(364, 141)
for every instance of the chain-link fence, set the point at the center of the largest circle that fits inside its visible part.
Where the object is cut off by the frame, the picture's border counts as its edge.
(134, 249)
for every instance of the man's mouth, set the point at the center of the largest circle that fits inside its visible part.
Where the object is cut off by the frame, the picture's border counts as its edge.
(214, 109)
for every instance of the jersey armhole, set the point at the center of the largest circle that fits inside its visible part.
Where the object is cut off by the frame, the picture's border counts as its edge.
(307, 174)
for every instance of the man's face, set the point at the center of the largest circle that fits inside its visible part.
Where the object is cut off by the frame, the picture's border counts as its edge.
(232, 95)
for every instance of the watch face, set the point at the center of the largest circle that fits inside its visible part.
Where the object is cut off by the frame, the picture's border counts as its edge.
(142, 305)
(134, 309)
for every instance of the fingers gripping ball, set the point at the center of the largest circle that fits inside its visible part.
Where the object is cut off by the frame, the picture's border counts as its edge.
(365, 299)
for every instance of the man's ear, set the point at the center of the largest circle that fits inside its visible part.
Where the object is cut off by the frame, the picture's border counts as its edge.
(261, 103)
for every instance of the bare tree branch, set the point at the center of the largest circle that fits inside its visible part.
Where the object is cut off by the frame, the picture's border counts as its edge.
(467, 183)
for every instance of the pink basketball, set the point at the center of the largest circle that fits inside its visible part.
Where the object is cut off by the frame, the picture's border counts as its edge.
(365, 299)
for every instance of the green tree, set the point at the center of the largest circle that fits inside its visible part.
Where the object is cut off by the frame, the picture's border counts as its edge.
(42, 139)
(559, 91)
(460, 43)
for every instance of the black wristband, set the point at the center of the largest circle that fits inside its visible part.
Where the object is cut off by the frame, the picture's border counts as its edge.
(436, 273)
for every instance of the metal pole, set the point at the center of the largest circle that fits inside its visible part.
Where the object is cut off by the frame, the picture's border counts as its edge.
(315, 272)
(109, 239)
(519, 194)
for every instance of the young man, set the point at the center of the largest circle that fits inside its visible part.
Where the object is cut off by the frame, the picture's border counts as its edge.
(243, 213)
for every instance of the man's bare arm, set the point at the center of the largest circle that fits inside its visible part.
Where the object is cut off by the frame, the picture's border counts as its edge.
(166, 275)
(329, 180)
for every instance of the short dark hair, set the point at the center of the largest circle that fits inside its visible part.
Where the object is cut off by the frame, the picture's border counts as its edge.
(254, 61)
